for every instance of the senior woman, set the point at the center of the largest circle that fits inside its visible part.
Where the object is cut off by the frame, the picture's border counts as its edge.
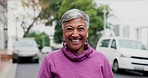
(76, 59)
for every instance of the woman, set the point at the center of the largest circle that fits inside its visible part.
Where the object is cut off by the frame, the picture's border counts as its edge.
(76, 59)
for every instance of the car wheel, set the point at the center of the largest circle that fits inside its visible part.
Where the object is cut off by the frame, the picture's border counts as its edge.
(14, 60)
(115, 66)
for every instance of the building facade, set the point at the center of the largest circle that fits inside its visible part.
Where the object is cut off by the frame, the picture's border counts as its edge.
(3, 24)
(133, 32)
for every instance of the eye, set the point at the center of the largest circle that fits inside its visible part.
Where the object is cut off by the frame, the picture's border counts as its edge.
(81, 28)
(69, 29)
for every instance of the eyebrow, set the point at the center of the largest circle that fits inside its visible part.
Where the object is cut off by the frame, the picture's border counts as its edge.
(82, 26)
(68, 26)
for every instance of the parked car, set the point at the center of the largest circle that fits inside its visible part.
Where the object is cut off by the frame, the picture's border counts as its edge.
(25, 49)
(46, 49)
(124, 53)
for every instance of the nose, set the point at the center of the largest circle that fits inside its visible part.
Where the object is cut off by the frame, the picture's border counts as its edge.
(75, 33)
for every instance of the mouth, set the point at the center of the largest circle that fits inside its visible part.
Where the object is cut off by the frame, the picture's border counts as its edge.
(76, 41)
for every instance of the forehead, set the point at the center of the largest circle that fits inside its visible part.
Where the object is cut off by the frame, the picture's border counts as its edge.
(76, 22)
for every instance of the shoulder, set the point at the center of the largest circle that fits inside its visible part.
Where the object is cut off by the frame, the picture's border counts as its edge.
(100, 58)
(99, 55)
(54, 54)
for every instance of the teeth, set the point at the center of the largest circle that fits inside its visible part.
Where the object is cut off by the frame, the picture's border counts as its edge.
(75, 40)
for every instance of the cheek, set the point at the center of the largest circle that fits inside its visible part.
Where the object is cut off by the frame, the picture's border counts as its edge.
(66, 35)
(84, 34)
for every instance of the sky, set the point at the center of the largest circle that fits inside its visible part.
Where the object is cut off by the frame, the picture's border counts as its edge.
(130, 12)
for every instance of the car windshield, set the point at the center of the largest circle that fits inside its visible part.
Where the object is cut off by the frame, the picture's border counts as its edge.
(26, 43)
(131, 44)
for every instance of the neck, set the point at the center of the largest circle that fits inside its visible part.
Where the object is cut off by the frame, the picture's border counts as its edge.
(79, 51)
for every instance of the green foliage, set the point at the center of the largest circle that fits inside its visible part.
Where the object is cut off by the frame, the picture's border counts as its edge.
(42, 39)
(56, 8)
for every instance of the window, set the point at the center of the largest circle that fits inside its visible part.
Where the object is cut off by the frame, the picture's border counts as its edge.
(26, 43)
(113, 45)
(131, 44)
(105, 43)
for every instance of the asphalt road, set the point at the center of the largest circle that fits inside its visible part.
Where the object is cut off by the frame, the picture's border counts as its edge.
(30, 70)
(27, 71)
(129, 74)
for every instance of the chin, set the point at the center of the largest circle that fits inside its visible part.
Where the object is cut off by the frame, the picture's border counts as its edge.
(76, 48)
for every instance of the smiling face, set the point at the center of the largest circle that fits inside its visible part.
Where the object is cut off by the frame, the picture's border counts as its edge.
(75, 33)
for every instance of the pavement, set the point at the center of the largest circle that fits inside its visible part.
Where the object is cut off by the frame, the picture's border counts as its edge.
(7, 68)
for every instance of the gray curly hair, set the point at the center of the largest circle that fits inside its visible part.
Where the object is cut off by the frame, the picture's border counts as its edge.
(73, 14)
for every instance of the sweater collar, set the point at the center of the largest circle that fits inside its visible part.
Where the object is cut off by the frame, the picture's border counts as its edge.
(75, 56)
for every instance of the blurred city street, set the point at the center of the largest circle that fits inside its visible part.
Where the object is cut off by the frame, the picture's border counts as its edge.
(40, 21)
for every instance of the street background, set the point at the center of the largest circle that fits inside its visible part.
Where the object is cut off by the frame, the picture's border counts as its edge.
(39, 19)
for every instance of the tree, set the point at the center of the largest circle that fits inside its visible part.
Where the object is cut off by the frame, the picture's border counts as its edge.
(49, 11)
(27, 4)
(26, 14)
(42, 39)
(56, 8)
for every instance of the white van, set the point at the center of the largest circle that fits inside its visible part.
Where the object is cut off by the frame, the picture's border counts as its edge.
(124, 53)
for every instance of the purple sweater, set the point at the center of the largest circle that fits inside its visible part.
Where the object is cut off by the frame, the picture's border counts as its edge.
(64, 64)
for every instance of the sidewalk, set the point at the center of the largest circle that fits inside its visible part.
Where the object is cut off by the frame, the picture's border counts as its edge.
(5, 66)
(2, 65)
(5, 63)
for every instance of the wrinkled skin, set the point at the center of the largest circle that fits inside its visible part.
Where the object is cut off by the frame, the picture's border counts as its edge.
(75, 33)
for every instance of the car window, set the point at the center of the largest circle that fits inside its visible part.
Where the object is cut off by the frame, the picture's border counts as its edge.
(105, 43)
(131, 44)
(113, 44)
(26, 43)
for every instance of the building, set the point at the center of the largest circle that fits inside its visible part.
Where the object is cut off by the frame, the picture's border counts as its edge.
(142, 34)
(3, 24)
(133, 32)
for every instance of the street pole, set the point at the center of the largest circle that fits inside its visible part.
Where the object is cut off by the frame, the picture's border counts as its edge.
(104, 14)
(16, 30)
(43, 41)
(147, 39)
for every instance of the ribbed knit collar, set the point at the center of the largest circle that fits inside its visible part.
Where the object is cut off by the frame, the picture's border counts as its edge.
(75, 56)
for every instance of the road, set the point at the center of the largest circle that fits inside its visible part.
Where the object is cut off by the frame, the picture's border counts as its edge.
(27, 70)
(129, 74)
(30, 70)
